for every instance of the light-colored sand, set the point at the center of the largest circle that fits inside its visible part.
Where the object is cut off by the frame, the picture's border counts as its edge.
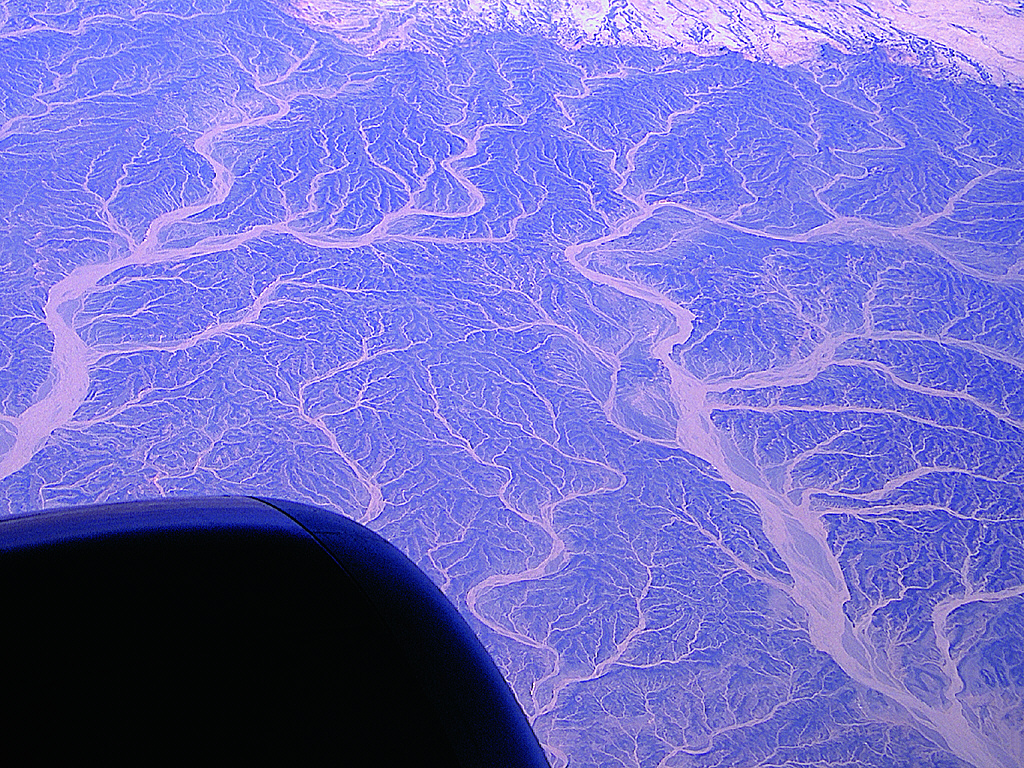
(977, 38)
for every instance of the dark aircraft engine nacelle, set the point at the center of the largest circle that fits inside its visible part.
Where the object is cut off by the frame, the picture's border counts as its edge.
(230, 629)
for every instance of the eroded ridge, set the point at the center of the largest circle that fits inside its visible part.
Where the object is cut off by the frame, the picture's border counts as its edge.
(695, 383)
(977, 38)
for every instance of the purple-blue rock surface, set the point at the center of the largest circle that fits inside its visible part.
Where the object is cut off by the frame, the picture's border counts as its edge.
(696, 382)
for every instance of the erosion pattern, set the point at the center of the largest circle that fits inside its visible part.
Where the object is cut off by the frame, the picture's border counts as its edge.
(983, 39)
(696, 383)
